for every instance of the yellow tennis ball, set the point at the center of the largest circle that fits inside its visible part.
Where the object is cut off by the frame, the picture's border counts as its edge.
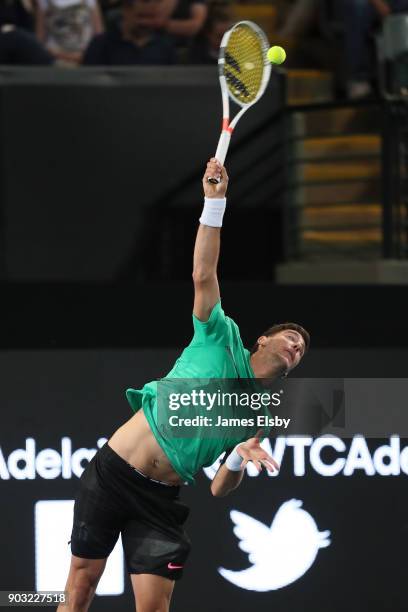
(276, 55)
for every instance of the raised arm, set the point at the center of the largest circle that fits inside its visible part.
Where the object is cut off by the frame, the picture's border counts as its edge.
(207, 244)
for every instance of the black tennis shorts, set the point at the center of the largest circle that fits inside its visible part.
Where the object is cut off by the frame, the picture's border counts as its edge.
(113, 499)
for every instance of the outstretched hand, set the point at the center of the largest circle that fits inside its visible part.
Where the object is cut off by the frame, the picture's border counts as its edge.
(215, 169)
(251, 450)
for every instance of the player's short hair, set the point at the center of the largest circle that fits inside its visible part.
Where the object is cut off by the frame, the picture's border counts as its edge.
(275, 329)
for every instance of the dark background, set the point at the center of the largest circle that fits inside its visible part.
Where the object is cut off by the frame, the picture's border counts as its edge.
(105, 169)
(50, 394)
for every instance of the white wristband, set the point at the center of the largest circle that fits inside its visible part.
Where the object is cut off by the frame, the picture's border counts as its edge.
(213, 211)
(234, 460)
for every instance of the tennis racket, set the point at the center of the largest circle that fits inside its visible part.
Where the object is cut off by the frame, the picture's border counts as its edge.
(244, 72)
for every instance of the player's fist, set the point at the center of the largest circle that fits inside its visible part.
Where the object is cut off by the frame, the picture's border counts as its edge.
(215, 170)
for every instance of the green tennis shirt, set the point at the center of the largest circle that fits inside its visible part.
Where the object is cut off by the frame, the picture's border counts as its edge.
(216, 351)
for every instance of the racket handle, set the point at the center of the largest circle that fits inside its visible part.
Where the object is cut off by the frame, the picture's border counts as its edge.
(221, 152)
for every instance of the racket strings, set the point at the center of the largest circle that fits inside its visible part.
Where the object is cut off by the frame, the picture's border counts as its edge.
(244, 64)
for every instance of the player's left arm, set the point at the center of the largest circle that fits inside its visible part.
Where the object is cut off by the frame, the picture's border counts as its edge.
(229, 476)
(225, 481)
(207, 244)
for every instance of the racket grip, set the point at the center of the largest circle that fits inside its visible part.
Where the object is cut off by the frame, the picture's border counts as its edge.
(221, 152)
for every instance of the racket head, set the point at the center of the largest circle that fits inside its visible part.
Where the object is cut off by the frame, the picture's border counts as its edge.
(243, 62)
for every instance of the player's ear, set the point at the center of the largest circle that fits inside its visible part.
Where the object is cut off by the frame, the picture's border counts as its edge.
(261, 341)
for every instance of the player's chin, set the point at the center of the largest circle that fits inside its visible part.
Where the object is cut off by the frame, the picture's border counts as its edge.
(283, 365)
(284, 362)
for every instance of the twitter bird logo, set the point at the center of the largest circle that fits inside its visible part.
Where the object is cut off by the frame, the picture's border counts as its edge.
(281, 553)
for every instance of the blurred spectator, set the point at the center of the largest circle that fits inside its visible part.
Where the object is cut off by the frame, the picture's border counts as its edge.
(18, 44)
(65, 27)
(131, 42)
(111, 12)
(180, 18)
(205, 47)
(299, 18)
(361, 18)
(188, 18)
(18, 13)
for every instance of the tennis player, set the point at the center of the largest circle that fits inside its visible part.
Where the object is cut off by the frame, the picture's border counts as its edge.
(132, 484)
